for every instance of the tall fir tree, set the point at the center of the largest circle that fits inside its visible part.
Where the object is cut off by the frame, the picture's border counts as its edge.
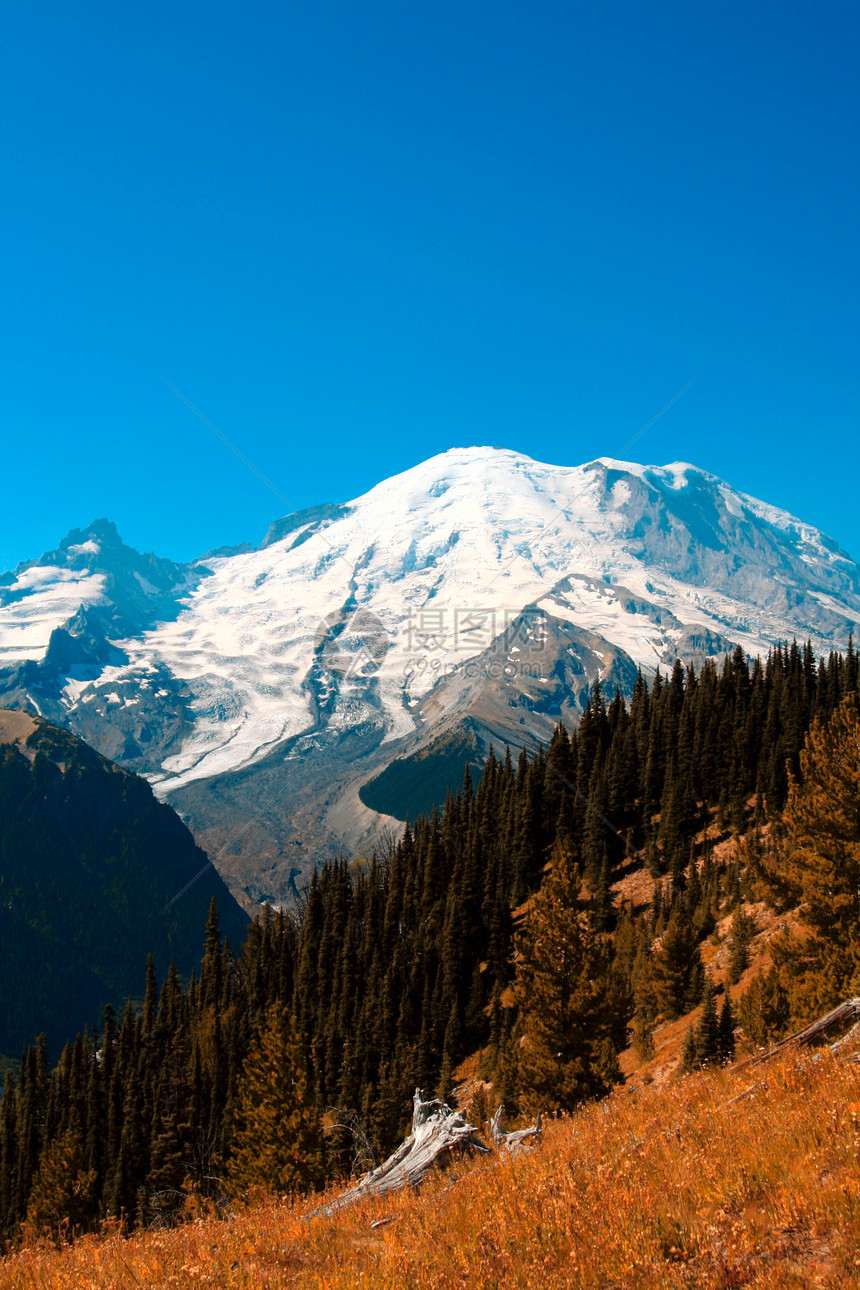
(562, 967)
(708, 1029)
(819, 863)
(277, 1141)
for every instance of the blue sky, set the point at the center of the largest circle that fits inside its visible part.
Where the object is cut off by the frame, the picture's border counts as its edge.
(358, 235)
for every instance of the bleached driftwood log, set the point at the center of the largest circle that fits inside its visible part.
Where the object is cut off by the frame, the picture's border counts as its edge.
(520, 1139)
(438, 1134)
(843, 1015)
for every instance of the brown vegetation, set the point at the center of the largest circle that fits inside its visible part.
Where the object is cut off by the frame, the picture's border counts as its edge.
(685, 1185)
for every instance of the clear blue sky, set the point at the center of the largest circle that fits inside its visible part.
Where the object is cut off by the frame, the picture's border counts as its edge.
(356, 235)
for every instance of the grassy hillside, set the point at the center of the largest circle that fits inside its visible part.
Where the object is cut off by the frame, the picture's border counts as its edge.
(724, 1178)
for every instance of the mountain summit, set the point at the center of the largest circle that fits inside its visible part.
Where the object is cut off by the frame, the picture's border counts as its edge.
(475, 597)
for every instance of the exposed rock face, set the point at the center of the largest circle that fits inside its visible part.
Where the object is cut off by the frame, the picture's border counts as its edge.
(477, 597)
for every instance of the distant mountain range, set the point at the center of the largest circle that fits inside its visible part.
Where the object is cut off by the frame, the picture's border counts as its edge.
(295, 700)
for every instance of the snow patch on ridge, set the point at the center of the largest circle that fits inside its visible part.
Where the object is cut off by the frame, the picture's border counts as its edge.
(40, 599)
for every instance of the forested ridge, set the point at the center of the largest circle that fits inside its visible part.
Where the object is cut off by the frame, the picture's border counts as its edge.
(88, 861)
(490, 927)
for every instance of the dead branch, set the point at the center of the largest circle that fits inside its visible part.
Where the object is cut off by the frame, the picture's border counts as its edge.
(521, 1139)
(364, 1156)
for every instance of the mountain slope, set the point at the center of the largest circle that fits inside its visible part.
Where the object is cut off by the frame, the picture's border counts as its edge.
(88, 861)
(480, 585)
(727, 1178)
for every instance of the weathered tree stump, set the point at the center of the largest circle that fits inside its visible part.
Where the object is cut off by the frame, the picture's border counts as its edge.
(438, 1134)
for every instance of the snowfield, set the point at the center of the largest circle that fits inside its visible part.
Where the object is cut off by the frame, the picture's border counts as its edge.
(44, 597)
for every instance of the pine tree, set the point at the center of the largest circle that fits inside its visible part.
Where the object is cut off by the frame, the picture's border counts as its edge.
(690, 1051)
(560, 987)
(149, 999)
(676, 967)
(764, 1009)
(726, 1031)
(211, 968)
(742, 933)
(707, 1031)
(397, 971)
(821, 863)
(8, 1156)
(645, 1001)
(63, 1196)
(751, 1014)
(277, 1143)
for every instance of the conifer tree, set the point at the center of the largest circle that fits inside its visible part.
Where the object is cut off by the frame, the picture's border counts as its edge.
(822, 860)
(645, 1000)
(690, 1051)
(707, 1031)
(764, 1009)
(751, 1013)
(560, 987)
(676, 967)
(149, 999)
(277, 1143)
(8, 1156)
(63, 1196)
(211, 968)
(726, 1031)
(742, 933)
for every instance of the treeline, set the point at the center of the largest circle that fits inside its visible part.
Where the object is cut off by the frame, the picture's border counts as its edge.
(488, 927)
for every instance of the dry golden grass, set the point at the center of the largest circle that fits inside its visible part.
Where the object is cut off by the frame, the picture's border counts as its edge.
(673, 1186)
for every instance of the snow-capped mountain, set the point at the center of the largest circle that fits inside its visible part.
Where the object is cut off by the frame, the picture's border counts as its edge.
(481, 590)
